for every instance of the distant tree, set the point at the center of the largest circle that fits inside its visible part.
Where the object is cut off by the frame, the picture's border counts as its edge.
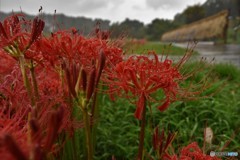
(179, 19)
(214, 6)
(131, 28)
(158, 27)
(237, 2)
(194, 13)
(116, 30)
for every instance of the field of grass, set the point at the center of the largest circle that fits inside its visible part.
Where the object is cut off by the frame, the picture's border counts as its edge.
(159, 48)
(117, 130)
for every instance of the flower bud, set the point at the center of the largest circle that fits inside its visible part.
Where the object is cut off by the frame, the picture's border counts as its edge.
(91, 83)
(13, 148)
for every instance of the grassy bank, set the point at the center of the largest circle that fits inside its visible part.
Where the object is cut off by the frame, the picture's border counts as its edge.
(159, 48)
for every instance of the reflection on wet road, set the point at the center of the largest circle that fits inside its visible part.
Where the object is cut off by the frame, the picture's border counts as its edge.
(209, 48)
(229, 53)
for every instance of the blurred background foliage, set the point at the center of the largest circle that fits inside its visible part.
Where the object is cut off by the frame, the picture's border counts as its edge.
(154, 30)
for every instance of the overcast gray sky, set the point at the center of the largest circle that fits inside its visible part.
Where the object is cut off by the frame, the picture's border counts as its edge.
(113, 10)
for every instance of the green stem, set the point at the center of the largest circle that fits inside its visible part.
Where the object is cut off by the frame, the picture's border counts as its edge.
(142, 132)
(61, 76)
(94, 108)
(74, 147)
(35, 85)
(87, 133)
(25, 80)
(29, 138)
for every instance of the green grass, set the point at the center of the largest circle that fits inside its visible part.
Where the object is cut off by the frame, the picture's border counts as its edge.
(117, 130)
(158, 47)
(227, 71)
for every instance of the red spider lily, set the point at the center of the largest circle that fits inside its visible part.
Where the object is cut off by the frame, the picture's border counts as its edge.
(193, 152)
(31, 132)
(18, 35)
(6, 63)
(11, 88)
(19, 141)
(13, 112)
(53, 116)
(80, 57)
(88, 81)
(141, 76)
(61, 45)
(161, 143)
(53, 95)
(69, 46)
(10, 30)
(37, 28)
(82, 61)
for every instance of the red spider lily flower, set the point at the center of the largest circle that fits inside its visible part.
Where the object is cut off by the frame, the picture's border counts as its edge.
(15, 134)
(6, 63)
(61, 45)
(37, 28)
(15, 110)
(32, 45)
(78, 56)
(160, 142)
(19, 36)
(70, 46)
(10, 30)
(72, 72)
(161, 145)
(193, 152)
(13, 122)
(141, 76)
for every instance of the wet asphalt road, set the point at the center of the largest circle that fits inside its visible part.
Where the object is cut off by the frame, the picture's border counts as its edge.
(229, 53)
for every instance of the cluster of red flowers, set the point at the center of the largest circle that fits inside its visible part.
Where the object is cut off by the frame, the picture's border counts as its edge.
(53, 69)
(43, 77)
(190, 152)
(161, 144)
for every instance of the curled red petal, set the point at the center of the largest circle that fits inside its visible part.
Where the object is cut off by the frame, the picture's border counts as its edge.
(164, 106)
(13, 148)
